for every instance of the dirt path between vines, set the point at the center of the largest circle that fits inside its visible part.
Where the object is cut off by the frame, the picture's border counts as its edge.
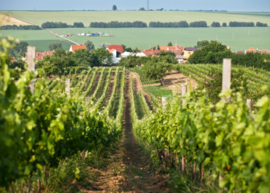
(130, 170)
(175, 79)
(139, 87)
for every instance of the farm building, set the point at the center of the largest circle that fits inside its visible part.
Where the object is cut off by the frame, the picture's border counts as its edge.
(188, 52)
(119, 48)
(77, 47)
(150, 52)
(175, 49)
(41, 55)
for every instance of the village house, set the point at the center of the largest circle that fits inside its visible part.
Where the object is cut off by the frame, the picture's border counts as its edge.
(175, 49)
(77, 47)
(188, 52)
(119, 48)
(252, 50)
(116, 51)
(150, 52)
(41, 55)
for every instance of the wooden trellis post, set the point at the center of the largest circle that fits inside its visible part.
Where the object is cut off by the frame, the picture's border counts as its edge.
(184, 91)
(31, 52)
(163, 99)
(226, 84)
(67, 88)
(249, 104)
(226, 75)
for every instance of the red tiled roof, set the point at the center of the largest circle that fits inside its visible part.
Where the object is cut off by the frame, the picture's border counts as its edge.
(264, 51)
(41, 55)
(116, 47)
(77, 47)
(175, 49)
(150, 52)
(111, 51)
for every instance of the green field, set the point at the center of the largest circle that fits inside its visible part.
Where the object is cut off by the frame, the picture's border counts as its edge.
(143, 38)
(39, 17)
(39, 38)
(236, 38)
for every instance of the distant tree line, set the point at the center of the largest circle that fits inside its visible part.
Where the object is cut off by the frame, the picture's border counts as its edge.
(215, 24)
(259, 24)
(241, 24)
(198, 24)
(168, 24)
(61, 25)
(116, 24)
(20, 27)
(178, 24)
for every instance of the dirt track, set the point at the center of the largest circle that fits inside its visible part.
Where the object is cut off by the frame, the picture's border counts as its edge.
(175, 79)
(130, 170)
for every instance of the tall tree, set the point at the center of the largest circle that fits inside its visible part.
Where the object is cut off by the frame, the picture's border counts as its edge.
(202, 43)
(55, 46)
(170, 44)
(114, 7)
(89, 45)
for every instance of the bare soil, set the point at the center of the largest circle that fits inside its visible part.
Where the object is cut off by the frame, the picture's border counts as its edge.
(8, 20)
(175, 79)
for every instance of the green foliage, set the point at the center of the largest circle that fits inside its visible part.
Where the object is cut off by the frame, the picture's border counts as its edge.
(215, 52)
(201, 44)
(226, 139)
(157, 70)
(169, 44)
(163, 53)
(78, 24)
(116, 24)
(215, 24)
(89, 45)
(21, 27)
(104, 56)
(135, 61)
(55, 46)
(158, 91)
(143, 78)
(224, 24)
(114, 8)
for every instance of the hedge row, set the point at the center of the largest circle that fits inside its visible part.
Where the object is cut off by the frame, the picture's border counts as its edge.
(21, 27)
(116, 24)
(61, 25)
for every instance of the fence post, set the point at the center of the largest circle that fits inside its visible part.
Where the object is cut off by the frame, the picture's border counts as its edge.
(67, 88)
(184, 91)
(226, 83)
(249, 104)
(226, 75)
(163, 99)
(31, 52)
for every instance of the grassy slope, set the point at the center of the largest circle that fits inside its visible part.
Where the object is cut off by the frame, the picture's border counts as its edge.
(39, 38)
(38, 17)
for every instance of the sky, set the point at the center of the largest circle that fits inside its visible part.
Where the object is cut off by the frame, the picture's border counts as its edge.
(230, 5)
